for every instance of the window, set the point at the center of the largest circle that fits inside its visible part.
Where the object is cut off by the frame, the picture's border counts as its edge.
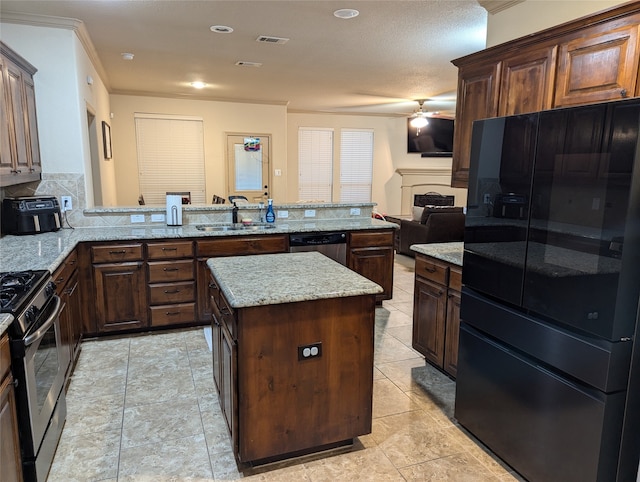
(315, 164)
(356, 165)
(170, 156)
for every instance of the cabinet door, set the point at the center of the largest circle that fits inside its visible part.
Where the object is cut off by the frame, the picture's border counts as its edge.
(10, 454)
(375, 264)
(452, 333)
(228, 395)
(6, 122)
(13, 97)
(477, 99)
(120, 296)
(75, 315)
(602, 64)
(527, 82)
(429, 314)
(31, 127)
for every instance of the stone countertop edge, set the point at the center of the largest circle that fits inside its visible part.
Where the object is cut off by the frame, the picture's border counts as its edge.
(449, 252)
(48, 250)
(271, 279)
(5, 321)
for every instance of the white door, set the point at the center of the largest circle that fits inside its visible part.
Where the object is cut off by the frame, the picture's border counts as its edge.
(248, 167)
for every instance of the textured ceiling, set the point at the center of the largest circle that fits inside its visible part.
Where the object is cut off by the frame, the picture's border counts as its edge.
(376, 63)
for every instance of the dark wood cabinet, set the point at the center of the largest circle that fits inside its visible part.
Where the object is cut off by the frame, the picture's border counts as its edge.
(10, 458)
(436, 312)
(120, 287)
(600, 65)
(20, 151)
(477, 99)
(172, 283)
(67, 288)
(588, 60)
(370, 253)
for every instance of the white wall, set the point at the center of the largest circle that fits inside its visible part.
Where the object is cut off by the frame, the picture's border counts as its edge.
(219, 118)
(534, 15)
(62, 96)
(390, 153)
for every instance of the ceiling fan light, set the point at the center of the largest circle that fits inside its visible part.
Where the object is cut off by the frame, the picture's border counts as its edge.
(419, 122)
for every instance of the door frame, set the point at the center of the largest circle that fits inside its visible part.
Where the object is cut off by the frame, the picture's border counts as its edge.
(229, 166)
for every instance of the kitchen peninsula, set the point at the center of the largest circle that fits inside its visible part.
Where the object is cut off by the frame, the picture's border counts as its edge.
(293, 353)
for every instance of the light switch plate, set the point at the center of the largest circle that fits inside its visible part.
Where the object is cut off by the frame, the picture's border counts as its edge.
(157, 218)
(137, 218)
(355, 211)
(283, 214)
(309, 213)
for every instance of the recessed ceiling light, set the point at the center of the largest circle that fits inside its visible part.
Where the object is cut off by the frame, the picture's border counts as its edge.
(126, 56)
(198, 85)
(346, 13)
(221, 29)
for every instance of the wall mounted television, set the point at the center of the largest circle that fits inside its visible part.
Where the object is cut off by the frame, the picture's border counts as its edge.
(434, 140)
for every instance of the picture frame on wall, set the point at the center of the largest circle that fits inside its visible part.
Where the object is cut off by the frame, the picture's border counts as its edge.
(106, 137)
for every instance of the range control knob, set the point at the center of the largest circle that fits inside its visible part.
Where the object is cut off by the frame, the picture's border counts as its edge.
(50, 289)
(31, 314)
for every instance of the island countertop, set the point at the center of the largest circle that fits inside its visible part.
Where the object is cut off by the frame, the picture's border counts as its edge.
(449, 252)
(270, 279)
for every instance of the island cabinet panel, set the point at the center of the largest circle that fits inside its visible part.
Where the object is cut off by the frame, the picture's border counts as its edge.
(370, 253)
(288, 404)
(10, 458)
(436, 312)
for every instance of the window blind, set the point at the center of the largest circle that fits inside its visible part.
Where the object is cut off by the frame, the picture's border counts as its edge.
(356, 165)
(315, 164)
(170, 153)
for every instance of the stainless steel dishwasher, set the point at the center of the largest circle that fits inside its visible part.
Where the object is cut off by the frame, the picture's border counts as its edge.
(332, 244)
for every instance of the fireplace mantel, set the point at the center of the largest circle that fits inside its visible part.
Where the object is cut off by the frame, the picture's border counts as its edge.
(423, 180)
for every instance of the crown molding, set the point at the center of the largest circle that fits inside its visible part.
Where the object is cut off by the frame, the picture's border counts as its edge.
(63, 23)
(495, 6)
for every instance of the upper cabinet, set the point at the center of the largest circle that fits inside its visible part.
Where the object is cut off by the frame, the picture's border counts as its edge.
(592, 59)
(19, 151)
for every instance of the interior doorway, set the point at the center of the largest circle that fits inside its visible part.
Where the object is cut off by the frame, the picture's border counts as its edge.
(96, 174)
(248, 160)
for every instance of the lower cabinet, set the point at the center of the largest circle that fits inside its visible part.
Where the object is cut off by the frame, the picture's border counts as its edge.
(370, 254)
(10, 460)
(67, 288)
(436, 312)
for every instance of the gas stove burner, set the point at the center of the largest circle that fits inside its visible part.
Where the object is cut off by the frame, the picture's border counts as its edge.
(7, 297)
(16, 279)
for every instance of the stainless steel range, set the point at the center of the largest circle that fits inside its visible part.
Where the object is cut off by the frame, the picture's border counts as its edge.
(38, 364)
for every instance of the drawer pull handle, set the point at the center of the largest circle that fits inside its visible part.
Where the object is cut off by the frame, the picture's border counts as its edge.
(225, 311)
(123, 251)
(169, 249)
(60, 280)
(430, 270)
(170, 269)
(213, 285)
(171, 292)
(172, 313)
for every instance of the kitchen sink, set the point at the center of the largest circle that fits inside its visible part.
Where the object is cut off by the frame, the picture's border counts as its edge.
(235, 227)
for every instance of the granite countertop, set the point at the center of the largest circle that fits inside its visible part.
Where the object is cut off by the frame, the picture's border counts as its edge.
(48, 250)
(270, 279)
(449, 252)
(5, 321)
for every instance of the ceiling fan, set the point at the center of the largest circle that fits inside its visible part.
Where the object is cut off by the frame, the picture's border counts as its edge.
(419, 117)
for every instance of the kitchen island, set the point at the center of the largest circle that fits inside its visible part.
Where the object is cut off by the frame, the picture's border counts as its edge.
(293, 353)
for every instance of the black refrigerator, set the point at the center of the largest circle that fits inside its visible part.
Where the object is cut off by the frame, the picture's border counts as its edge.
(551, 286)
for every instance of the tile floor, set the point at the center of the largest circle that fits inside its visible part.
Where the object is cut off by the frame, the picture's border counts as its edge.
(144, 408)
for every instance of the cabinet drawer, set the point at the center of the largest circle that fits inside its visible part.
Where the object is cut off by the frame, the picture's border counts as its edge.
(168, 293)
(432, 270)
(5, 357)
(116, 253)
(240, 245)
(173, 314)
(182, 249)
(162, 272)
(65, 270)
(455, 279)
(371, 239)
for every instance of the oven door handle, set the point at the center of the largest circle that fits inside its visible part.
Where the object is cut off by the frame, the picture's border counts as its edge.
(31, 339)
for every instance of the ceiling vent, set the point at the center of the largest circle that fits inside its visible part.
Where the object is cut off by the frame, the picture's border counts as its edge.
(244, 63)
(272, 40)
